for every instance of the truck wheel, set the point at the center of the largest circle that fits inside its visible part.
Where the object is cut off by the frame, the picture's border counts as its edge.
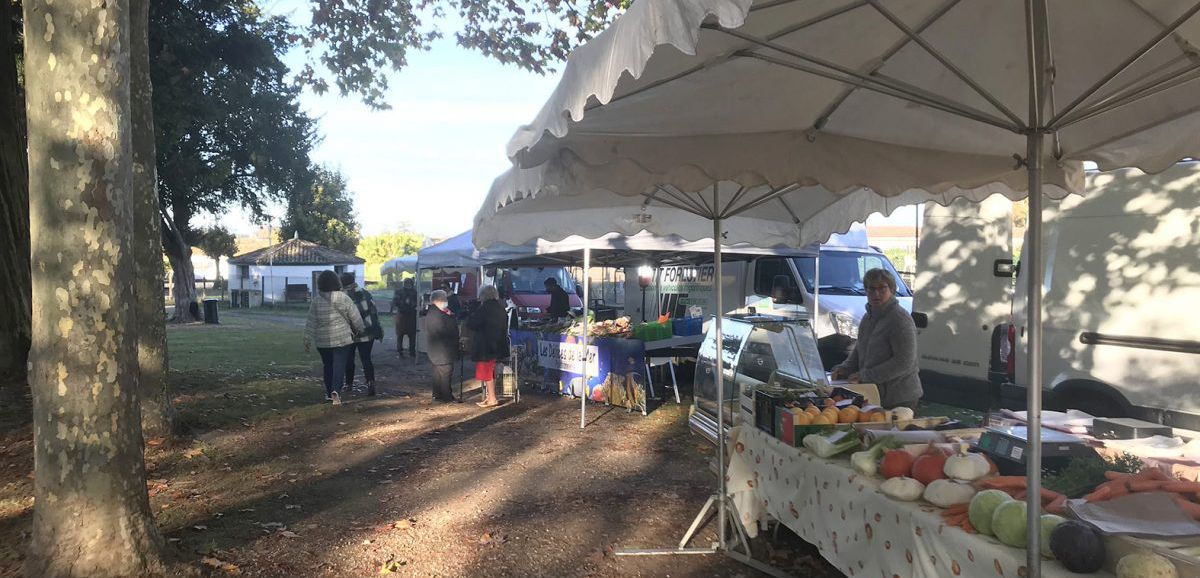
(1093, 403)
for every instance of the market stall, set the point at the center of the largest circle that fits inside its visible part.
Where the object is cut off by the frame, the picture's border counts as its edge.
(550, 352)
(854, 525)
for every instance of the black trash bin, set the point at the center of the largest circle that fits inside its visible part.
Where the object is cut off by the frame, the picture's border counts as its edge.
(210, 310)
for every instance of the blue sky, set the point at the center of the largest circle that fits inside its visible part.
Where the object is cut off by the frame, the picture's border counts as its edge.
(428, 162)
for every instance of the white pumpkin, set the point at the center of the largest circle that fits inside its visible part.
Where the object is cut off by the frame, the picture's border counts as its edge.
(903, 489)
(967, 467)
(946, 493)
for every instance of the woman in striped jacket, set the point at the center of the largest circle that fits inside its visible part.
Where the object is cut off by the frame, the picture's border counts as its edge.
(333, 323)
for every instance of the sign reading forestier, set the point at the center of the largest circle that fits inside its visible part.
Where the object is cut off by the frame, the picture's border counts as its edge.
(567, 357)
(686, 279)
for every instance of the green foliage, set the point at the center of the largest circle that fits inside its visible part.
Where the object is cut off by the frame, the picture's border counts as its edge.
(229, 129)
(323, 212)
(217, 242)
(358, 41)
(378, 249)
(1082, 475)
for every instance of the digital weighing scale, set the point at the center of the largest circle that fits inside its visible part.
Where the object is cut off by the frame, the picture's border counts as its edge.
(1009, 448)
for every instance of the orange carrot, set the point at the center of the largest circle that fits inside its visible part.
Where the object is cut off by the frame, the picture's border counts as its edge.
(1019, 494)
(967, 527)
(1103, 492)
(955, 509)
(1144, 485)
(1002, 482)
(1192, 509)
(1049, 495)
(1181, 487)
(1057, 506)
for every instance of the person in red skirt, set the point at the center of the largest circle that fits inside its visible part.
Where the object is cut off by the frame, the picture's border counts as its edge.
(490, 326)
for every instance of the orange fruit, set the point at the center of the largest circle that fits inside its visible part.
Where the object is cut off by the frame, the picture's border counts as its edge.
(831, 415)
(802, 418)
(813, 410)
(829, 402)
(864, 416)
(848, 415)
(878, 417)
(821, 420)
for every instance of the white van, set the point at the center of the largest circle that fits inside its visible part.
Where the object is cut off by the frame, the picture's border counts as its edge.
(783, 283)
(1121, 282)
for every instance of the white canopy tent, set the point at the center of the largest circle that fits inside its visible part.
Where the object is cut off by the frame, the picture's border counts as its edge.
(459, 251)
(892, 96)
(400, 265)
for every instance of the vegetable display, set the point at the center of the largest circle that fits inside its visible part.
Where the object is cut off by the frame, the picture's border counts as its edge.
(903, 489)
(983, 505)
(930, 466)
(1008, 523)
(1145, 565)
(1049, 522)
(1078, 547)
(896, 463)
(967, 467)
(831, 445)
(946, 493)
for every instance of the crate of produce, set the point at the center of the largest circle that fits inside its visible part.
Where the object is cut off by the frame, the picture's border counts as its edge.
(688, 326)
(791, 428)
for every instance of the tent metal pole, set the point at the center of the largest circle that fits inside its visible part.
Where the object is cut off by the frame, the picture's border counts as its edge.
(816, 316)
(718, 359)
(583, 397)
(1033, 267)
(1039, 42)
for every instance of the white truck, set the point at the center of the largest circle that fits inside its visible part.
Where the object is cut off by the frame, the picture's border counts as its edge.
(1121, 284)
(784, 282)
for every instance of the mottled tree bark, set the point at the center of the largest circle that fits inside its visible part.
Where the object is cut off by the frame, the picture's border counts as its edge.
(183, 287)
(14, 212)
(92, 515)
(159, 418)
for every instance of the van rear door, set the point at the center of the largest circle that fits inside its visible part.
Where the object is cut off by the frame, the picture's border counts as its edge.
(957, 289)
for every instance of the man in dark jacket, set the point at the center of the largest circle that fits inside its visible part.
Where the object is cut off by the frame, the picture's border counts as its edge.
(441, 329)
(560, 303)
(404, 304)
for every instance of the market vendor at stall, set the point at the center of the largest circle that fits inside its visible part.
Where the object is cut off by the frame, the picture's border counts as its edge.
(886, 351)
(560, 302)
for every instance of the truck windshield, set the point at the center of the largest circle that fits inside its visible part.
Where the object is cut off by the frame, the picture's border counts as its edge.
(842, 272)
(532, 280)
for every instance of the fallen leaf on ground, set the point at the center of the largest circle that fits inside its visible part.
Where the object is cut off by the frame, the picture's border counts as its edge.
(220, 565)
(288, 534)
(405, 524)
(392, 566)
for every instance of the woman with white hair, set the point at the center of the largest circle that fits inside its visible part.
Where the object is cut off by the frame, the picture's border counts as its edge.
(441, 335)
(490, 326)
(886, 351)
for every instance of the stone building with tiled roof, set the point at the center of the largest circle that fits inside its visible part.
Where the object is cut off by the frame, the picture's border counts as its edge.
(287, 271)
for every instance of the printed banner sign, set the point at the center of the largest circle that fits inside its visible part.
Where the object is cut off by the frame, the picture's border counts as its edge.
(568, 357)
(686, 279)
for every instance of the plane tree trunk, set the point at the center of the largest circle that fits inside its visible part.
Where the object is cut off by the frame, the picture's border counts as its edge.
(183, 290)
(14, 212)
(159, 418)
(92, 515)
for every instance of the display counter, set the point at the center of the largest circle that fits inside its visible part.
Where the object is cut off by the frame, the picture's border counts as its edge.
(856, 528)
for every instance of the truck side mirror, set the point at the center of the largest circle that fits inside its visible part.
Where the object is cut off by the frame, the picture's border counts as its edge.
(921, 320)
(783, 292)
(1003, 268)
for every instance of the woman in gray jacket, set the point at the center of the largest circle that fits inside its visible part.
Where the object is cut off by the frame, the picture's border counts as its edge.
(886, 351)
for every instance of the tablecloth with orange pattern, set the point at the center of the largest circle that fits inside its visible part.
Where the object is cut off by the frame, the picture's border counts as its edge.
(856, 528)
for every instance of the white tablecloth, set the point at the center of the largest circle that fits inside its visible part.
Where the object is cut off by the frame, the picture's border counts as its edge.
(858, 529)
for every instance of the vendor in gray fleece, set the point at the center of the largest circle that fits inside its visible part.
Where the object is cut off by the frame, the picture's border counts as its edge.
(886, 351)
